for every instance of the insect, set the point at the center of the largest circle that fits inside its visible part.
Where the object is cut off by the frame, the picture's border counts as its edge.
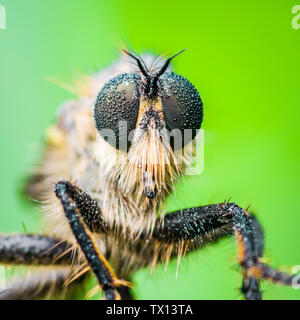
(110, 160)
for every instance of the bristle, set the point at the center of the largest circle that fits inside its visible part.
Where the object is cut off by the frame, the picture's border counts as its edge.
(149, 155)
(93, 292)
(77, 273)
(81, 86)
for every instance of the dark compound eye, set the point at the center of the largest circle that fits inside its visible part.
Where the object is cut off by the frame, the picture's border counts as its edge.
(182, 106)
(118, 103)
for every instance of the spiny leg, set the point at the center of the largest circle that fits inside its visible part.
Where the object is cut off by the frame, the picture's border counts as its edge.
(190, 228)
(36, 250)
(90, 212)
(68, 196)
(43, 250)
(28, 249)
(249, 238)
(88, 207)
(201, 225)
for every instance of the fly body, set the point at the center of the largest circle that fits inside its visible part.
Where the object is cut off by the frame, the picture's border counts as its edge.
(110, 160)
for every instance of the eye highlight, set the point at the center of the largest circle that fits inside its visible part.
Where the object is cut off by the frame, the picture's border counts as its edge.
(182, 105)
(117, 101)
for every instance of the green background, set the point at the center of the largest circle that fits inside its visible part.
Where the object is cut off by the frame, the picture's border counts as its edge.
(243, 56)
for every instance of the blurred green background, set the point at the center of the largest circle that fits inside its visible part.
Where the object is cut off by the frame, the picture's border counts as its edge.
(243, 56)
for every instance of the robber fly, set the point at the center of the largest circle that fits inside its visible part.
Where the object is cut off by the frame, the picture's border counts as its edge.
(110, 160)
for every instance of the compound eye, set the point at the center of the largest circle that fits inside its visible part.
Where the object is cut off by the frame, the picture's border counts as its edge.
(182, 108)
(117, 108)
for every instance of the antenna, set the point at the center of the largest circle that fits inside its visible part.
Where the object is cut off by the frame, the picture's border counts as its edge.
(144, 71)
(165, 66)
